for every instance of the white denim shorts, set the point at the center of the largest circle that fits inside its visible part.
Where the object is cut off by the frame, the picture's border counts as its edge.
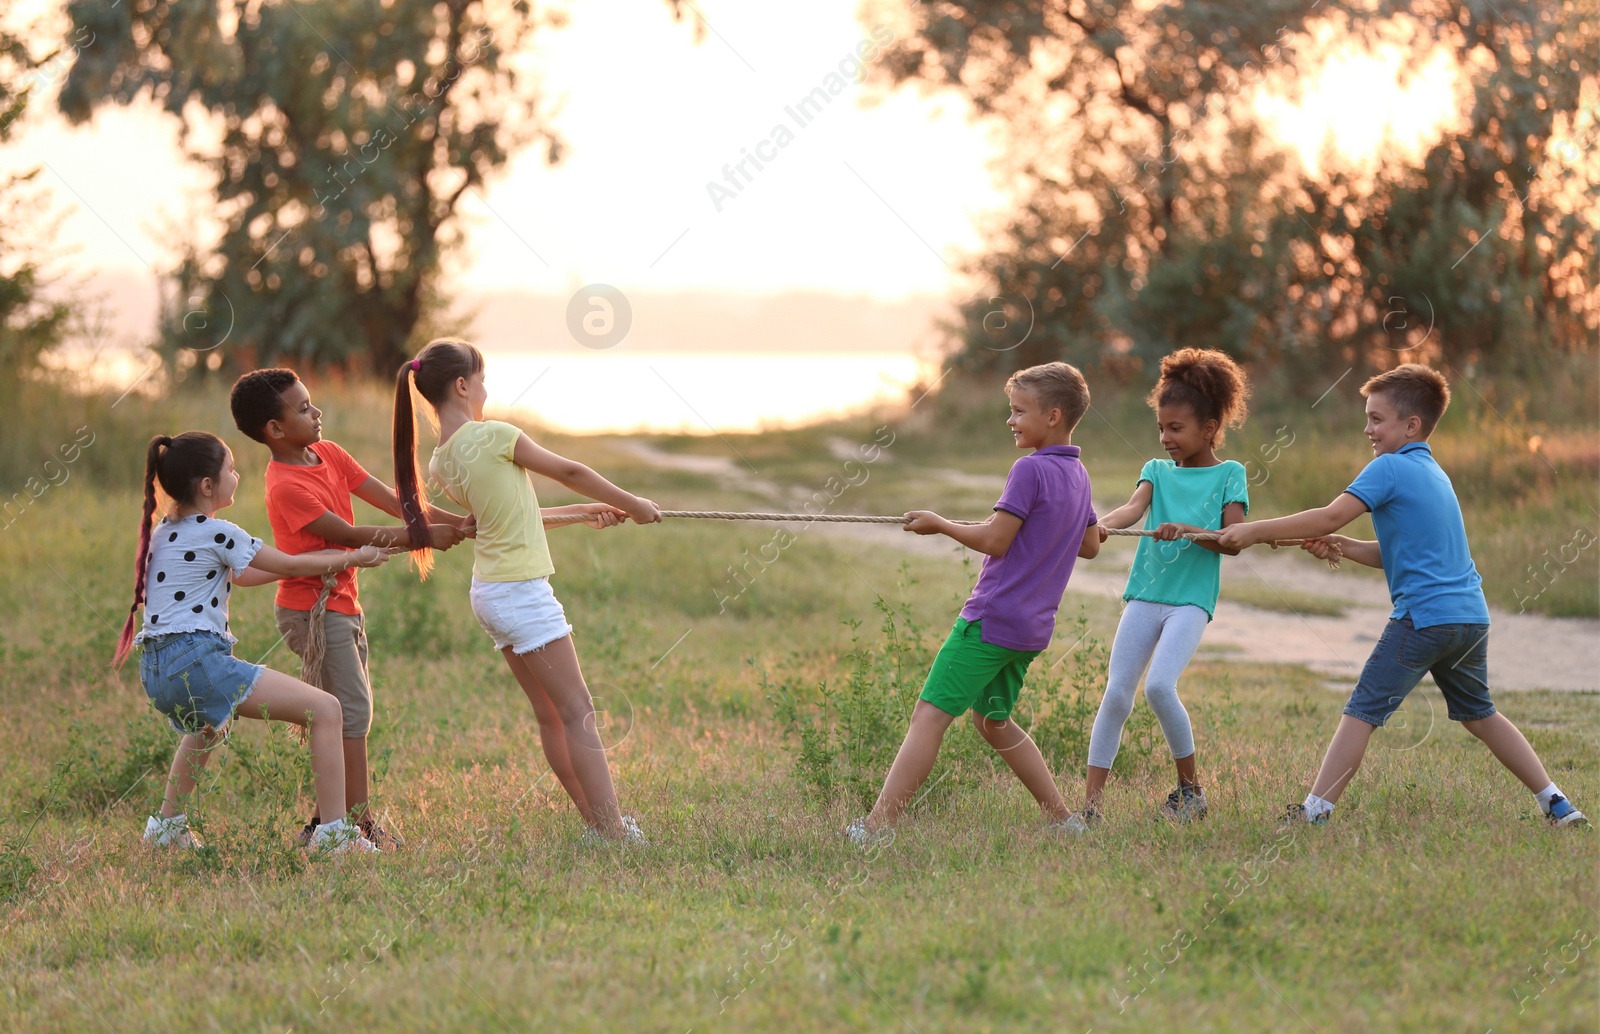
(521, 615)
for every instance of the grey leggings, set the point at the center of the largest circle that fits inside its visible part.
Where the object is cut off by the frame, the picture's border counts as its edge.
(1163, 637)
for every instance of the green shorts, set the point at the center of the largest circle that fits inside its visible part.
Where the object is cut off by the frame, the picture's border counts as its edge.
(972, 675)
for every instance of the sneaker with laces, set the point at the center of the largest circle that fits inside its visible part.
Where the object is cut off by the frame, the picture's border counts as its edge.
(1296, 815)
(174, 832)
(1185, 804)
(1562, 813)
(380, 837)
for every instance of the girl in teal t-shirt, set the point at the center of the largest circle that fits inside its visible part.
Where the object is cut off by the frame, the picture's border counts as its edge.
(1172, 589)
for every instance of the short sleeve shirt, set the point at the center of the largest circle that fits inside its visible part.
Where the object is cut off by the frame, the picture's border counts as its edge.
(476, 469)
(298, 495)
(187, 579)
(1017, 595)
(1183, 573)
(1422, 538)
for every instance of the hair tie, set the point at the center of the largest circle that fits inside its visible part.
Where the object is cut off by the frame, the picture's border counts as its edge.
(416, 364)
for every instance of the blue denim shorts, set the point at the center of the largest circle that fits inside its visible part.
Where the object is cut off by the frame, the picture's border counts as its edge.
(194, 679)
(1457, 656)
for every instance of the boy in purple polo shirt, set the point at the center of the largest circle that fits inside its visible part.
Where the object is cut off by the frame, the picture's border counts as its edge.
(1043, 522)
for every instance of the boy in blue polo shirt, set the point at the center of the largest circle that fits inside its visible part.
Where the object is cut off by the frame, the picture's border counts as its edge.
(1440, 623)
(1043, 522)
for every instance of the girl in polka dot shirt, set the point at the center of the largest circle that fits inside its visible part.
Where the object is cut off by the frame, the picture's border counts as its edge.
(188, 564)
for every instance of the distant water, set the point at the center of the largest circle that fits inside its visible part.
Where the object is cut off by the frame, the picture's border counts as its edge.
(693, 393)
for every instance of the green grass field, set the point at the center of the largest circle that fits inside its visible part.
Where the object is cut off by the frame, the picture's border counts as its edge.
(1437, 900)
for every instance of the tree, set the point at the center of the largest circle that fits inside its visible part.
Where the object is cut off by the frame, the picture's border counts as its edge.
(30, 323)
(349, 133)
(1154, 213)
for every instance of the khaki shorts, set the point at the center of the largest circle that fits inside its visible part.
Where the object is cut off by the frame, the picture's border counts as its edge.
(344, 666)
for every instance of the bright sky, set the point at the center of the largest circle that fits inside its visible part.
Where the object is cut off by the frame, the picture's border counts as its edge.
(870, 202)
(879, 201)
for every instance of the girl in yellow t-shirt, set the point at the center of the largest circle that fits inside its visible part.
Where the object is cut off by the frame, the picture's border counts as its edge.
(484, 465)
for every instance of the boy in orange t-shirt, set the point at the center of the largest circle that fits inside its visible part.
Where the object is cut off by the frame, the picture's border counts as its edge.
(309, 486)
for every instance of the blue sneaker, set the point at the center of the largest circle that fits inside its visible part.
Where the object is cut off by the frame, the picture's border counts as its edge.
(1296, 815)
(1562, 813)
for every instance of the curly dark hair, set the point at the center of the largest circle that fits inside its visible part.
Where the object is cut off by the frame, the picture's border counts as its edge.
(257, 398)
(1208, 382)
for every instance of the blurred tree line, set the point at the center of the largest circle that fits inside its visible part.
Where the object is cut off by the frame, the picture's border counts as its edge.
(1155, 214)
(31, 321)
(1153, 210)
(348, 135)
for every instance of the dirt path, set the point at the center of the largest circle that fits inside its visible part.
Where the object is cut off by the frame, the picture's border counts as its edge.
(1526, 651)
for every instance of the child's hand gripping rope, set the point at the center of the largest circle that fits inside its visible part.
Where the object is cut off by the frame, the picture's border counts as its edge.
(1321, 548)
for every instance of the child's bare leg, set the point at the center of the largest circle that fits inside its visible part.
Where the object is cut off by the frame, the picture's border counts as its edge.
(1022, 755)
(194, 750)
(555, 668)
(281, 698)
(912, 764)
(1186, 771)
(355, 774)
(1339, 764)
(1508, 744)
(552, 735)
(1095, 785)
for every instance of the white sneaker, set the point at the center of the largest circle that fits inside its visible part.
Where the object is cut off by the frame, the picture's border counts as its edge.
(173, 832)
(339, 837)
(631, 834)
(1071, 826)
(860, 836)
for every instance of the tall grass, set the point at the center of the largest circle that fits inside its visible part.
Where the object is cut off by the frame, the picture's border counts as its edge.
(746, 910)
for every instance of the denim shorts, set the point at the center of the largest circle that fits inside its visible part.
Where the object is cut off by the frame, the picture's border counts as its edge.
(1457, 656)
(522, 615)
(194, 679)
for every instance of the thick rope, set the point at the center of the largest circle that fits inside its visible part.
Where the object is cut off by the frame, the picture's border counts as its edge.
(855, 518)
(317, 636)
(1211, 536)
(736, 515)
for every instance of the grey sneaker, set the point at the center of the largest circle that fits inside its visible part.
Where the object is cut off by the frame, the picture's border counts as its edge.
(631, 833)
(1185, 804)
